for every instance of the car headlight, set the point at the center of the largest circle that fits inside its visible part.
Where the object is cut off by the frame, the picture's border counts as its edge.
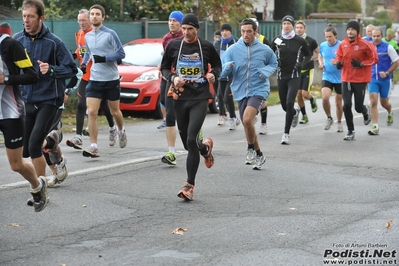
(148, 76)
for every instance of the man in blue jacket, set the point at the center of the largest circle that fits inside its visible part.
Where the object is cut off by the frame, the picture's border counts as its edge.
(251, 63)
(54, 63)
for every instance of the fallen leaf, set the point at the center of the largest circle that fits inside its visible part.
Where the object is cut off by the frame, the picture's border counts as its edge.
(13, 224)
(84, 206)
(281, 234)
(389, 224)
(179, 231)
(292, 209)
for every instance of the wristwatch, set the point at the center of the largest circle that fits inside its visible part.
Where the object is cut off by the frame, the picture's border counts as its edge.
(387, 73)
(67, 91)
(6, 78)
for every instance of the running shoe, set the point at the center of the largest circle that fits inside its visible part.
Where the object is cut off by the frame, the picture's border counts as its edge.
(296, 117)
(40, 198)
(390, 119)
(304, 119)
(222, 119)
(340, 128)
(263, 129)
(62, 171)
(122, 139)
(209, 160)
(251, 157)
(259, 161)
(55, 152)
(233, 123)
(367, 116)
(285, 139)
(75, 143)
(186, 192)
(374, 130)
(350, 135)
(163, 125)
(169, 158)
(113, 135)
(91, 152)
(314, 105)
(52, 181)
(328, 124)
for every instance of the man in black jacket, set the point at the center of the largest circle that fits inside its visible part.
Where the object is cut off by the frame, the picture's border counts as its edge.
(191, 64)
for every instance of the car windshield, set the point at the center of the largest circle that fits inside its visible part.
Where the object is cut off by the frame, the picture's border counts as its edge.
(143, 54)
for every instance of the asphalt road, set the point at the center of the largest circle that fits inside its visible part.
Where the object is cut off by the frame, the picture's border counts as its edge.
(316, 201)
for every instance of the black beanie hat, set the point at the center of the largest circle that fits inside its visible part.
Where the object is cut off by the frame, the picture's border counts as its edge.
(226, 26)
(289, 19)
(217, 33)
(191, 19)
(354, 25)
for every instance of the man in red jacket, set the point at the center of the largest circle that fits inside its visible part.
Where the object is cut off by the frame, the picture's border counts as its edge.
(355, 57)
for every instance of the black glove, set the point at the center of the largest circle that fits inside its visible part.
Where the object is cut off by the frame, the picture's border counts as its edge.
(74, 56)
(298, 66)
(356, 64)
(339, 65)
(99, 59)
(83, 68)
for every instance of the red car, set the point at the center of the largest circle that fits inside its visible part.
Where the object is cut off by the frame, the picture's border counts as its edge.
(140, 77)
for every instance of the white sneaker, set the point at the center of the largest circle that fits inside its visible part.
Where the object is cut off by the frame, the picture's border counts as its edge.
(52, 181)
(285, 139)
(122, 139)
(263, 129)
(328, 123)
(113, 135)
(340, 128)
(251, 157)
(222, 119)
(295, 119)
(259, 161)
(233, 123)
(62, 171)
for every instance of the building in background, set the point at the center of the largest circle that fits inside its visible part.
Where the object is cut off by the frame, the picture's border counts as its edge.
(264, 10)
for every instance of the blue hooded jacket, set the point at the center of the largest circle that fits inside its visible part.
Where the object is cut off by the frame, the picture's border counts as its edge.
(253, 65)
(47, 48)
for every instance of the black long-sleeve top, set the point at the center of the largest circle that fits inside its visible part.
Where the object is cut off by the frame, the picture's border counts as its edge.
(210, 63)
(289, 53)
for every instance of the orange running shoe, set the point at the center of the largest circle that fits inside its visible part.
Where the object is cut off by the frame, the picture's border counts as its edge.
(186, 192)
(208, 156)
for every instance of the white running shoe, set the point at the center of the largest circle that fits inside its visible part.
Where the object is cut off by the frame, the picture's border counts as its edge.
(113, 135)
(122, 139)
(251, 157)
(259, 162)
(340, 128)
(233, 123)
(263, 129)
(222, 119)
(328, 123)
(285, 139)
(295, 119)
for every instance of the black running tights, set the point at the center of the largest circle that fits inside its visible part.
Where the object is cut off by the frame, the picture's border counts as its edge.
(287, 90)
(190, 116)
(358, 90)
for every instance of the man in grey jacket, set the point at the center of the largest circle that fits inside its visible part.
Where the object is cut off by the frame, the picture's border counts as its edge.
(105, 49)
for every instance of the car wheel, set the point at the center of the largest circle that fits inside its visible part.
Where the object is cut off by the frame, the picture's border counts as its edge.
(214, 105)
(157, 113)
